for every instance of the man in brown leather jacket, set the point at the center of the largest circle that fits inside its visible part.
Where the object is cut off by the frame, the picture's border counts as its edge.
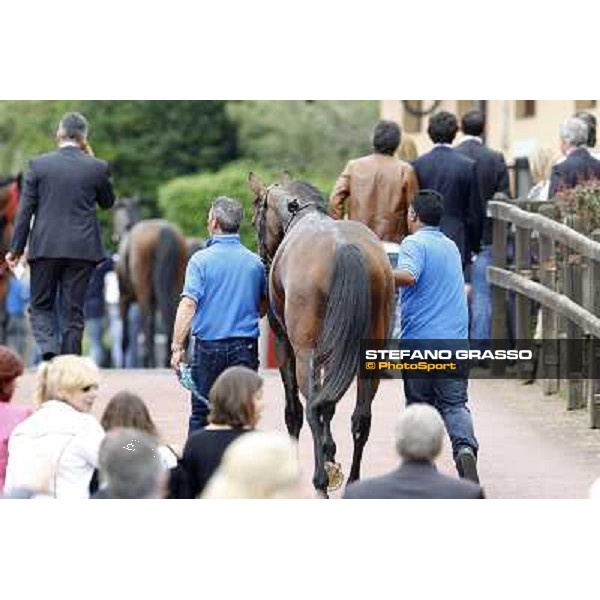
(379, 187)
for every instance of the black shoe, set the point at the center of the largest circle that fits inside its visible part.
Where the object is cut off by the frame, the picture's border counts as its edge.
(466, 464)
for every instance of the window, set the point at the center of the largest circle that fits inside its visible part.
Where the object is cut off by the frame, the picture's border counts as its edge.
(584, 104)
(525, 109)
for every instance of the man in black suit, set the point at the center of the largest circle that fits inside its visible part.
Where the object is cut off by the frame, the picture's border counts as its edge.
(579, 166)
(453, 175)
(419, 437)
(60, 192)
(492, 176)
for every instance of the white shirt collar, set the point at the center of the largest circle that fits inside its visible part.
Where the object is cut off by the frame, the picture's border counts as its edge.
(471, 137)
(442, 145)
(66, 144)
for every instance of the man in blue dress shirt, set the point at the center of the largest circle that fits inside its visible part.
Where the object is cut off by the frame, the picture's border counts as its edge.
(223, 297)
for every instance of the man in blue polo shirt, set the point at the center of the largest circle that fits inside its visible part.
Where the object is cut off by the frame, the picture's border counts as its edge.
(223, 297)
(433, 306)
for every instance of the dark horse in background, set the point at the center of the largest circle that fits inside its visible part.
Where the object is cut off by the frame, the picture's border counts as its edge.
(151, 269)
(10, 189)
(330, 286)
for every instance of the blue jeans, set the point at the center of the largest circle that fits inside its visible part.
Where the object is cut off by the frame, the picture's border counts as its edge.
(93, 329)
(16, 334)
(116, 336)
(481, 305)
(134, 321)
(210, 358)
(449, 397)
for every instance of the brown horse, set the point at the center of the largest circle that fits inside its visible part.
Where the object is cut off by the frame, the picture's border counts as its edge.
(330, 286)
(151, 269)
(9, 201)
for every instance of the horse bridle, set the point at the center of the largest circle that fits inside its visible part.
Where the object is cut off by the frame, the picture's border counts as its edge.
(261, 219)
(295, 207)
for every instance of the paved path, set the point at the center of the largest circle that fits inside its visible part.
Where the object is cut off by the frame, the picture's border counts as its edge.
(531, 447)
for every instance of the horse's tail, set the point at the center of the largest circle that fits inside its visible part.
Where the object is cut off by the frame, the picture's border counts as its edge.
(347, 322)
(166, 274)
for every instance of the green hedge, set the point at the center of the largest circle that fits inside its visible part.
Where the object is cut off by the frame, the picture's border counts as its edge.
(186, 200)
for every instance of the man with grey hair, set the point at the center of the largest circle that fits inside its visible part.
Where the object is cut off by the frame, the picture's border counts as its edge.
(223, 298)
(579, 165)
(419, 438)
(130, 468)
(590, 120)
(57, 213)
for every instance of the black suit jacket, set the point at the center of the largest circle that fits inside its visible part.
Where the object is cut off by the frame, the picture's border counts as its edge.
(61, 190)
(414, 480)
(578, 167)
(454, 177)
(492, 176)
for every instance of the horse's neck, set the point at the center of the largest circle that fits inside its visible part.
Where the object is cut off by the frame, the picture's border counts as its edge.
(301, 215)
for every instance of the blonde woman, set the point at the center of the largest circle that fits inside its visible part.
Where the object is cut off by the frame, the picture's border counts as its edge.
(257, 466)
(540, 165)
(407, 150)
(61, 435)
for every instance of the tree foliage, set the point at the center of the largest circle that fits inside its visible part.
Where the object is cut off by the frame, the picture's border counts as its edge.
(181, 147)
(304, 136)
(147, 142)
(186, 200)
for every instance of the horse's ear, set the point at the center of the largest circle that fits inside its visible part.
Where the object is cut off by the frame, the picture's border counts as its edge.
(256, 185)
(285, 178)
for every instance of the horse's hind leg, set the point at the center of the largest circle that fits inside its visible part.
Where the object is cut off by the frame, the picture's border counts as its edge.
(294, 416)
(361, 422)
(329, 447)
(327, 412)
(286, 358)
(309, 384)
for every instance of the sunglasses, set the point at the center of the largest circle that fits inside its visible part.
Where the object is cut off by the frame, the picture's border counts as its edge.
(88, 388)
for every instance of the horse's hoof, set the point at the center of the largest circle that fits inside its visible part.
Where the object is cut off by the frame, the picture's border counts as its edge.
(335, 476)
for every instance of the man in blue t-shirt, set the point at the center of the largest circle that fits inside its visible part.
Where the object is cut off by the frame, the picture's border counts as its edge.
(223, 297)
(433, 306)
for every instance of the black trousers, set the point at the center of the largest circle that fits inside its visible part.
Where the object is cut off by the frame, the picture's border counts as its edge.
(58, 287)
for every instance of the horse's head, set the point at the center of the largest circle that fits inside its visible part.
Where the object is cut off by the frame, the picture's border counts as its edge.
(126, 214)
(276, 206)
(266, 218)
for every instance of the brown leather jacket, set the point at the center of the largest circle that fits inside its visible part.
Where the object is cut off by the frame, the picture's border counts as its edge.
(379, 189)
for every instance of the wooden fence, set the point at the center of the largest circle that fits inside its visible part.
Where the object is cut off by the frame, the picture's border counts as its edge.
(565, 282)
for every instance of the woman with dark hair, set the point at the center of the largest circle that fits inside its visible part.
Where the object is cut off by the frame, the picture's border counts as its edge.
(235, 408)
(11, 367)
(128, 410)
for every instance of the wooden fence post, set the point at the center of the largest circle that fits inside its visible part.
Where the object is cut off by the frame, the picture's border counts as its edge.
(522, 302)
(549, 358)
(594, 358)
(574, 359)
(499, 306)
